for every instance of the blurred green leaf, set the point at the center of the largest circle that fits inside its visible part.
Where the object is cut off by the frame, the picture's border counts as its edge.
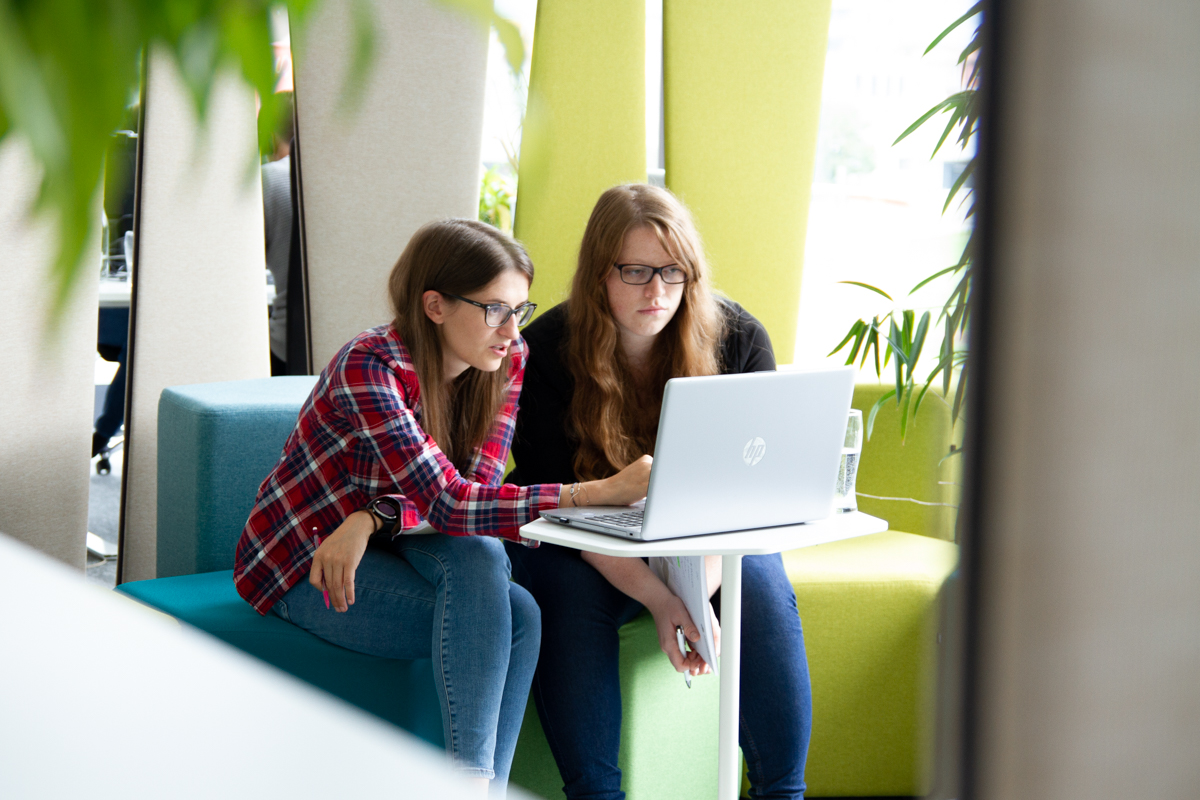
(972, 11)
(932, 277)
(875, 410)
(496, 198)
(958, 394)
(853, 330)
(954, 451)
(70, 68)
(868, 286)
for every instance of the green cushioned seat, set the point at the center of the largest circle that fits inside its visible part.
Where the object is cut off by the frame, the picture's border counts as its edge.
(668, 732)
(399, 691)
(870, 608)
(216, 444)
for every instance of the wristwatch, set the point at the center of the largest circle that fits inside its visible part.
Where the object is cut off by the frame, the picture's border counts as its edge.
(386, 511)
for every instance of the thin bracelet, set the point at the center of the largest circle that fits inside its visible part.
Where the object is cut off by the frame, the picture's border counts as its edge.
(587, 501)
(574, 491)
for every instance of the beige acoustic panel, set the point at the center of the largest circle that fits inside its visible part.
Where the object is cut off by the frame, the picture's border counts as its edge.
(200, 311)
(408, 155)
(46, 376)
(1090, 537)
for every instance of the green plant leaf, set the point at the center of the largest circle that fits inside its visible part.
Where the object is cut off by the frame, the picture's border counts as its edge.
(967, 172)
(942, 366)
(972, 11)
(898, 350)
(918, 342)
(875, 410)
(933, 277)
(942, 106)
(904, 412)
(947, 357)
(869, 286)
(853, 330)
(510, 39)
(954, 451)
(858, 340)
(875, 343)
(958, 394)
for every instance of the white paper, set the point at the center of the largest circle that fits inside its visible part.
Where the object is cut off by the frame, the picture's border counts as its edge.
(686, 578)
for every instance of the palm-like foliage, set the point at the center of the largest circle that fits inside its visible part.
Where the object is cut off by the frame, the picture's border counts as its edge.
(70, 68)
(905, 339)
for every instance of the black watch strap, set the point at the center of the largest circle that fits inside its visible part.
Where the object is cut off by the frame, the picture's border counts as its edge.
(387, 511)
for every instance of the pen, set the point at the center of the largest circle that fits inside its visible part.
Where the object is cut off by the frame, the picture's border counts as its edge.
(324, 592)
(687, 676)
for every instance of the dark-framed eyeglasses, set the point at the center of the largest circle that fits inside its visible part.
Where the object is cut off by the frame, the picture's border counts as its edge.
(497, 314)
(640, 274)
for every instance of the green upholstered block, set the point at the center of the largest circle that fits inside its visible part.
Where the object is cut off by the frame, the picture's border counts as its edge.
(401, 692)
(668, 732)
(870, 609)
(890, 467)
(216, 444)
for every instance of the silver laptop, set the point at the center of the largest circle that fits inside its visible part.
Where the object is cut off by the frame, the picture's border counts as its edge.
(736, 452)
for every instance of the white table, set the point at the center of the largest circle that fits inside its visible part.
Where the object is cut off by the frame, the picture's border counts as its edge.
(732, 546)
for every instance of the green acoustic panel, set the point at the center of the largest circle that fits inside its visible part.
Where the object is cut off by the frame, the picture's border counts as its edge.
(742, 93)
(914, 468)
(584, 129)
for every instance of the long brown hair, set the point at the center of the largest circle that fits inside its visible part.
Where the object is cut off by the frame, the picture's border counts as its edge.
(614, 413)
(454, 256)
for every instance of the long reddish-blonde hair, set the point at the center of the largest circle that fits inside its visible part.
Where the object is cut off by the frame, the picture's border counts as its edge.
(455, 256)
(614, 413)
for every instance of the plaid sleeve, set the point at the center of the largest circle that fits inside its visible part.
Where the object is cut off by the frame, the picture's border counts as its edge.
(368, 393)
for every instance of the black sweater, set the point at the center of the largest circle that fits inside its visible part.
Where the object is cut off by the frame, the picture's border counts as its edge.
(542, 447)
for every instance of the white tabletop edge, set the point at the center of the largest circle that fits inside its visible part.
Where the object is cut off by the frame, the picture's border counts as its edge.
(755, 542)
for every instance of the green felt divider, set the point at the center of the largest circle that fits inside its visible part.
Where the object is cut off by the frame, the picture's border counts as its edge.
(742, 91)
(584, 129)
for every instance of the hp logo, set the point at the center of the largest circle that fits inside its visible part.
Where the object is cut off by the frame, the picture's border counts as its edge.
(753, 452)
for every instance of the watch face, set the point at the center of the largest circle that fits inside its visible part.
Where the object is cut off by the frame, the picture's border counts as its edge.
(386, 508)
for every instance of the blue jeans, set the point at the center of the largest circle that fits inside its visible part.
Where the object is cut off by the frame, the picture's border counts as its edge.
(447, 598)
(578, 692)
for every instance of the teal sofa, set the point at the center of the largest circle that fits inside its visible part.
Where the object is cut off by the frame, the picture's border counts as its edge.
(216, 444)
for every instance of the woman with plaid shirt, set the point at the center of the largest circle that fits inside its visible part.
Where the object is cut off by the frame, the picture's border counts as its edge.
(407, 431)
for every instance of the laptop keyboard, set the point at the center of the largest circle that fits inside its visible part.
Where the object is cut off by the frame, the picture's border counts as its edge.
(625, 519)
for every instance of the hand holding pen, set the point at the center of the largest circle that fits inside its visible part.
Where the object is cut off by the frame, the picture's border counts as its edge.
(687, 673)
(337, 558)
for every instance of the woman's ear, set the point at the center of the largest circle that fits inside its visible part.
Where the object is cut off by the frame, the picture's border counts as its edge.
(435, 306)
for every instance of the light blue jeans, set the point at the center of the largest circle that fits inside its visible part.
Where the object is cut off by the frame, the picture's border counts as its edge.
(447, 598)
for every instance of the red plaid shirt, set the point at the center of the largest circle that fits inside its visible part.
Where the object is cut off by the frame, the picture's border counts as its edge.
(359, 437)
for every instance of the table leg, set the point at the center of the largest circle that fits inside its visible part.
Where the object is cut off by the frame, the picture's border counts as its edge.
(729, 766)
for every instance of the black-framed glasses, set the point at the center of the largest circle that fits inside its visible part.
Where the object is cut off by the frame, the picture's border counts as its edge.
(640, 274)
(496, 314)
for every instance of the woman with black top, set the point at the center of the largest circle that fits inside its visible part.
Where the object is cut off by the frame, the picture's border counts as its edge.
(641, 312)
